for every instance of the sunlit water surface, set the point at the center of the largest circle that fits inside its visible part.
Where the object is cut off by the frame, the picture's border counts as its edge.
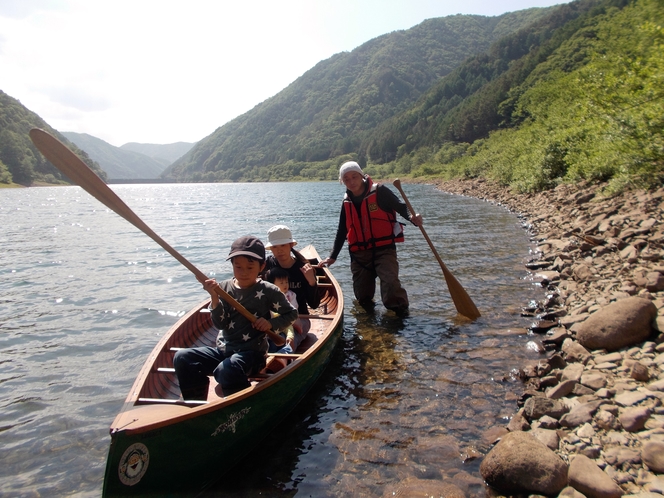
(85, 296)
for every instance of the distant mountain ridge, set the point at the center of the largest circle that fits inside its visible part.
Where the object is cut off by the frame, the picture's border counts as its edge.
(118, 164)
(126, 163)
(168, 153)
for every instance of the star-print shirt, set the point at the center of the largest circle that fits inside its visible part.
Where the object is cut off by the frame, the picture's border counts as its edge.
(236, 333)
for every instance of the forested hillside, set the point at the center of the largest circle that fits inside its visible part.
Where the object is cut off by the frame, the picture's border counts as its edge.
(529, 99)
(119, 164)
(588, 104)
(466, 105)
(20, 161)
(328, 111)
(575, 93)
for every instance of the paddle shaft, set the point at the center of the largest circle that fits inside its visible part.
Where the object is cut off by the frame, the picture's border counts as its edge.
(81, 174)
(462, 300)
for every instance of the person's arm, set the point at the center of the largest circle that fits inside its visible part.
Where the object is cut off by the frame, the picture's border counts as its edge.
(286, 313)
(313, 298)
(303, 275)
(339, 240)
(217, 307)
(305, 296)
(309, 274)
(388, 201)
(292, 298)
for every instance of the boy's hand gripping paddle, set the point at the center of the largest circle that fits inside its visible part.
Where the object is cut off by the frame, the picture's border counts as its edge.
(464, 304)
(79, 172)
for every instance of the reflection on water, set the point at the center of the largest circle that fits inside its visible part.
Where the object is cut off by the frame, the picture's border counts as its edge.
(84, 297)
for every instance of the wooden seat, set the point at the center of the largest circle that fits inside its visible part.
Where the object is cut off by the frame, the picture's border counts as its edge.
(172, 401)
(285, 355)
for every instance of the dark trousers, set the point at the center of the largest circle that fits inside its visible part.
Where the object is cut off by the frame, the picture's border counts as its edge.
(381, 263)
(230, 370)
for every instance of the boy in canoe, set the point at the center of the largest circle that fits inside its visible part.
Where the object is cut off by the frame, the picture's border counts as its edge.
(241, 345)
(368, 221)
(301, 275)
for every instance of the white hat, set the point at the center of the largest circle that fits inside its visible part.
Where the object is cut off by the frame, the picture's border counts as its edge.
(279, 235)
(349, 166)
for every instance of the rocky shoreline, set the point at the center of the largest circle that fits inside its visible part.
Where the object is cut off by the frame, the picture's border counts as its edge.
(590, 420)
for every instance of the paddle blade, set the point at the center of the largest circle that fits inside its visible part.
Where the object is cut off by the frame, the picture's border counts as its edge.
(462, 301)
(80, 173)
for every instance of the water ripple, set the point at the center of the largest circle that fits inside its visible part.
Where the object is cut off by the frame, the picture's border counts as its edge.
(84, 297)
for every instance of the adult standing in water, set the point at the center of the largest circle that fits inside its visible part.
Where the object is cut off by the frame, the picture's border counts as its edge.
(301, 275)
(368, 221)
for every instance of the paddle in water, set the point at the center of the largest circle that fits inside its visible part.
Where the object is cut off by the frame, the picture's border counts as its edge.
(464, 304)
(81, 174)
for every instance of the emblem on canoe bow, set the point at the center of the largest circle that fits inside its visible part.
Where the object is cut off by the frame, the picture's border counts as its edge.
(133, 464)
(233, 419)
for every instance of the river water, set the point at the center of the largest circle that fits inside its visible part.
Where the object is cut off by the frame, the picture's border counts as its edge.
(85, 296)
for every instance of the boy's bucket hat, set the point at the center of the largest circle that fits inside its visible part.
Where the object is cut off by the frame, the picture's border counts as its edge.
(279, 235)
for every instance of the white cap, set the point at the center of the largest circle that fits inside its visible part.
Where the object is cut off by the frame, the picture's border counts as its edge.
(349, 166)
(279, 235)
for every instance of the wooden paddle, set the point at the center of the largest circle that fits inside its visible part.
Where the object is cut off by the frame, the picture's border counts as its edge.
(79, 172)
(464, 304)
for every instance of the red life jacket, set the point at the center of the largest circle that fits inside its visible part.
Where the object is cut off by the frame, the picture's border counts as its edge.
(372, 227)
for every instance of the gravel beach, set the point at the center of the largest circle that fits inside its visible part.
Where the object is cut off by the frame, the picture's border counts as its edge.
(590, 417)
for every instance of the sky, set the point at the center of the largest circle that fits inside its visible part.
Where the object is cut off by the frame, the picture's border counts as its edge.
(165, 71)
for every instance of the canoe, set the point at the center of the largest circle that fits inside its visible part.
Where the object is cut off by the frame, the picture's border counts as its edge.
(163, 445)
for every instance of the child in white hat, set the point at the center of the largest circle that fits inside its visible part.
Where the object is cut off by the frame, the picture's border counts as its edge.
(301, 275)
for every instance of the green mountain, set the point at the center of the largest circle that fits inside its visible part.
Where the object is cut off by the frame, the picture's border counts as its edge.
(166, 154)
(20, 161)
(567, 93)
(118, 163)
(530, 99)
(585, 103)
(329, 110)
(464, 106)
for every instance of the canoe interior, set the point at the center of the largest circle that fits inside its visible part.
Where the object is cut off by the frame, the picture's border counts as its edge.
(157, 383)
(198, 330)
